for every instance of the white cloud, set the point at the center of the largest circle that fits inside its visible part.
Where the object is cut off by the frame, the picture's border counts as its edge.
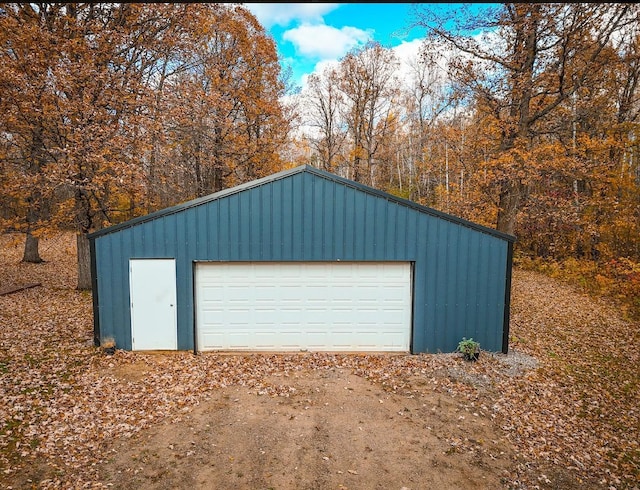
(326, 42)
(408, 53)
(408, 49)
(321, 67)
(283, 14)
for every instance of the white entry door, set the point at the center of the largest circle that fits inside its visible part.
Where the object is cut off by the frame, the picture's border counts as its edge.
(153, 304)
(316, 306)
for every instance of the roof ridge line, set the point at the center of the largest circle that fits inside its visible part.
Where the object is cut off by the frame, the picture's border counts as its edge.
(288, 173)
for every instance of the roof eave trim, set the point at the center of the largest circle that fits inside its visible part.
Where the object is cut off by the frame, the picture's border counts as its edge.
(287, 173)
(412, 204)
(196, 202)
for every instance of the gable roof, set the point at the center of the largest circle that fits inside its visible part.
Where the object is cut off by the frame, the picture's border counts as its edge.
(287, 173)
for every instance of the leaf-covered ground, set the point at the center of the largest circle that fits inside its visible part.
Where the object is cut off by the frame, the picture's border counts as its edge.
(580, 410)
(572, 417)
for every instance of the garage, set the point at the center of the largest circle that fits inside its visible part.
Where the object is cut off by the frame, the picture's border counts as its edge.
(300, 306)
(301, 260)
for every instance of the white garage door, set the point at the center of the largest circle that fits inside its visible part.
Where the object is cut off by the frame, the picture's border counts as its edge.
(328, 306)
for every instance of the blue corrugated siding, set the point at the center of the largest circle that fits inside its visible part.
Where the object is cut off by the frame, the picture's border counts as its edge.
(459, 272)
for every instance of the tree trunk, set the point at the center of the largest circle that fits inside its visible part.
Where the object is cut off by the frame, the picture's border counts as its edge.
(508, 206)
(34, 213)
(84, 262)
(31, 253)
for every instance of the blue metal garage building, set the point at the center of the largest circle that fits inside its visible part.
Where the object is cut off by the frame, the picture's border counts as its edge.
(301, 260)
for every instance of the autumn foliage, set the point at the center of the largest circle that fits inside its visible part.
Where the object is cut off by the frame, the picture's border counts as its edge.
(109, 111)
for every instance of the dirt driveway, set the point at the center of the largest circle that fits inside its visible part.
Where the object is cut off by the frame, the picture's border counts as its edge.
(331, 429)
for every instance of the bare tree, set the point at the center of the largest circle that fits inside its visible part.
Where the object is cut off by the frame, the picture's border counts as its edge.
(367, 81)
(325, 102)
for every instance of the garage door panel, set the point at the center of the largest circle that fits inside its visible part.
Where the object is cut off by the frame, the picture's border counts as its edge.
(303, 306)
(211, 318)
(318, 291)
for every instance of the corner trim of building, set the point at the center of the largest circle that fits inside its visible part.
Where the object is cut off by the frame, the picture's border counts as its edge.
(94, 293)
(507, 299)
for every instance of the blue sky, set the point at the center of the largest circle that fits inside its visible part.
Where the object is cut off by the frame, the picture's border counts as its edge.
(311, 35)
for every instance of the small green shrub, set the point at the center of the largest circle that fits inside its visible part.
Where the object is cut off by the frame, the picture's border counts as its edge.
(470, 349)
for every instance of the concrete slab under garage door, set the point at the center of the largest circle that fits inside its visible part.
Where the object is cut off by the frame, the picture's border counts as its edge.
(315, 306)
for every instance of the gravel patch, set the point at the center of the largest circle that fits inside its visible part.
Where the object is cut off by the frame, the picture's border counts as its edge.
(516, 362)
